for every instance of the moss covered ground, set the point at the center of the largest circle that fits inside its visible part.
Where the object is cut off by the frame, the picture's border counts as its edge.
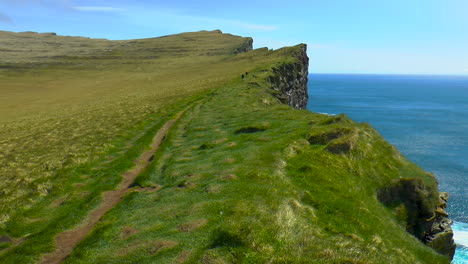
(240, 178)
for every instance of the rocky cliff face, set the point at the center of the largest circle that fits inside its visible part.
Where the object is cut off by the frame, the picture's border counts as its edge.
(439, 233)
(422, 209)
(246, 46)
(289, 80)
(419, 206)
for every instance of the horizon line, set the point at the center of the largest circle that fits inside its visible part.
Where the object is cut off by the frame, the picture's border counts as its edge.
(396, 74)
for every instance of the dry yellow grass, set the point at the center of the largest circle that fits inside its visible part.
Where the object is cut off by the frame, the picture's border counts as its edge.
(66, 101)
(81, 114)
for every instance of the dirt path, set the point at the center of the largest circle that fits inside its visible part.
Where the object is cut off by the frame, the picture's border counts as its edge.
(66, 241)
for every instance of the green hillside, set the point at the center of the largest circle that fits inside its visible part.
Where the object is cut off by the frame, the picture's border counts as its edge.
(224, 171)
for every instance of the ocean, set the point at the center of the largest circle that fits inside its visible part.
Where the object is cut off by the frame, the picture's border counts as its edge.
(425, 117)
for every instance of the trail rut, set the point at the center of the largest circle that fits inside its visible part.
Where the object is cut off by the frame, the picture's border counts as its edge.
(66, 241)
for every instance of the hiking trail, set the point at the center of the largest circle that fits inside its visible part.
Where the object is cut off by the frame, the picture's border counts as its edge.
(67, 240)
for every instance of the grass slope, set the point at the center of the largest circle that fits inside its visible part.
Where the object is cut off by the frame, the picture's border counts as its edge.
(240, 178)
(240, 183)
(70, 125)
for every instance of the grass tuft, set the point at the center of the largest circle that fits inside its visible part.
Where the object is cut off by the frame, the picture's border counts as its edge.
(239, 178)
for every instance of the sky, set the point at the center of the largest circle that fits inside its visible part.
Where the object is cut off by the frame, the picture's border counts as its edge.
(343, 36)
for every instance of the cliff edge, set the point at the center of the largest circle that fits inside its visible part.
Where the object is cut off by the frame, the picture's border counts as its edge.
(421, 208)
(238, 173)
(289, 80)
(419, 205)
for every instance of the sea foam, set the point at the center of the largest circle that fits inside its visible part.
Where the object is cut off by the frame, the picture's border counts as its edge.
(460, 235)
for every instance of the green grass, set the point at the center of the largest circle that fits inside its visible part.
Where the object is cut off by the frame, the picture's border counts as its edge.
(262, 196)
(244, 179)
(79, 122)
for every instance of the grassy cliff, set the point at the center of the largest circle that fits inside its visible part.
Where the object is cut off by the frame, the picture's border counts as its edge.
(241, 176)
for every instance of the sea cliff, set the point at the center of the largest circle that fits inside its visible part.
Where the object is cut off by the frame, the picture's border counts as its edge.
(422, 209)
(289, 80)
(423, 206)
(238, 171)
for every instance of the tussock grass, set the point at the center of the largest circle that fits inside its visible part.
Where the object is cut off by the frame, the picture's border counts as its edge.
(241, 178)
(73, 119)
(266, 195)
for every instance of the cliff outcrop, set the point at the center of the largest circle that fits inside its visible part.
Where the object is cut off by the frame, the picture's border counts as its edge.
(419, 206)
(240, 178)
(247, 45)
(422, 209)
(439, 233)
(289, 80)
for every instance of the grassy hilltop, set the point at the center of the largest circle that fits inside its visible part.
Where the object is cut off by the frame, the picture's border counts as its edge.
(239, 177)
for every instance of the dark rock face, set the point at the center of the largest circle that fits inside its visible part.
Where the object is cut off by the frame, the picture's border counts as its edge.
(439, 235)
(289, 80)
(5, 239)
(424, 212)
(246, 46)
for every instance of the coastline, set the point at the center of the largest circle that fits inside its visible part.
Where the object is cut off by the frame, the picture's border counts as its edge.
(427, 139)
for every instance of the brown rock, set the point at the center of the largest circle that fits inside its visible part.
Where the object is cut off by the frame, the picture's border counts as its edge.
(443, 243)
(5, 239)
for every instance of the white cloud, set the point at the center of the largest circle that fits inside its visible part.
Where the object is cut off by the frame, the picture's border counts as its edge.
(5, 19)
(183, 16)
(255, 26)
(64, 3)
(235, 23)
(97, 9)
(320, 46)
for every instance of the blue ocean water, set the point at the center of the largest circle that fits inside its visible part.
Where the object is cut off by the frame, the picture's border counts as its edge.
(426, 117)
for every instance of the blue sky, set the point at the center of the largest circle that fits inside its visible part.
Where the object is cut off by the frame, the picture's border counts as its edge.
(344, 36)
